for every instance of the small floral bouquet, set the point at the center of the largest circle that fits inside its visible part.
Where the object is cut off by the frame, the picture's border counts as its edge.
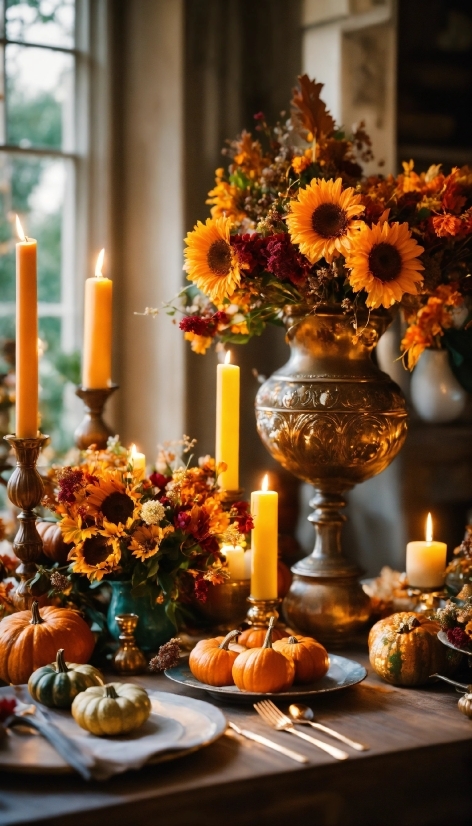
(459, 569)
(455, 619)
(295, 221)
(163, 533)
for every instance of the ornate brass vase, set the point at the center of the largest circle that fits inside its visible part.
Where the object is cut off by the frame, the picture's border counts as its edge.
(333, 419)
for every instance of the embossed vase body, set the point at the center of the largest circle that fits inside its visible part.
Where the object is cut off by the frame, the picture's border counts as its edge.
(333, 419)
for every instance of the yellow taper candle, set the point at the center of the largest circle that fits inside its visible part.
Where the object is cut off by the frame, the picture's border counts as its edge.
(264, 510)
(426, 561)
(227, 422)
(96, 367)
(26, 336)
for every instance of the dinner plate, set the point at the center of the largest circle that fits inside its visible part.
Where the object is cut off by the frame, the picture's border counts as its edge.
(341, 674)
(183, 725)
(443, 637)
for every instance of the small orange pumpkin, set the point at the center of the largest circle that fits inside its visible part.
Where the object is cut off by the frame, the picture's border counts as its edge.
(263, 670)
(309, 657)
(31, 639)
(54, 546)
(284, 579)
(254, 636)
(211, 661)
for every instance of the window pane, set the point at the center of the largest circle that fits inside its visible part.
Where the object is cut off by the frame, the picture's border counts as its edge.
(39, 93)
(50, 22)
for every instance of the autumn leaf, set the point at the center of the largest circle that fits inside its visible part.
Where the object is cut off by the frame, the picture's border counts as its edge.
(309, 111)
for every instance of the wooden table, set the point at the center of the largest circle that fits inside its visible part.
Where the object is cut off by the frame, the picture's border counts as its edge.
(418, 772)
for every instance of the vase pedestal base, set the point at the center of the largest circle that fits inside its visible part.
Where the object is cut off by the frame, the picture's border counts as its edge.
(331, 609)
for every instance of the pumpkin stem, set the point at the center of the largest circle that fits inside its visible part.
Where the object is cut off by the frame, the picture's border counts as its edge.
(61, 666)
(35, 615)
(268, 638)
(228, 638)
(293, 640)
(110, 692)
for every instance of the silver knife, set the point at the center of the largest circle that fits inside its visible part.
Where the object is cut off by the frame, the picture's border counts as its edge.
(263, 741)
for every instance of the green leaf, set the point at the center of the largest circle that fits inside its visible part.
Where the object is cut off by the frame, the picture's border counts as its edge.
(170, 609)
(153, 568)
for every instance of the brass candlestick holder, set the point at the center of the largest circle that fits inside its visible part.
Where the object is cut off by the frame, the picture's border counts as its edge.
(229, 497)
(261, 611)
(25, 490)
(92, 430)
(129, 659)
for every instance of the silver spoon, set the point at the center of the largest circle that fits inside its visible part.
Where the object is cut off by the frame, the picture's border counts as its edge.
(304, 715)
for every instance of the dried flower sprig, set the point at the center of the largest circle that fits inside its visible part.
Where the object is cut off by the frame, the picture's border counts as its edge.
(167, 657)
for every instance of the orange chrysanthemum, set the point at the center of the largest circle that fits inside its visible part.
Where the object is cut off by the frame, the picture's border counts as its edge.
(384, 262)
(445, 225)
(210, 261)
(323, 221)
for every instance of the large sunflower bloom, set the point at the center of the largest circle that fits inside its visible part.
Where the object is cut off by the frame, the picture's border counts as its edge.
(210, 260)
(113, 500)
(384, 262)
(96, 557)
(323, 219)
(74, 530)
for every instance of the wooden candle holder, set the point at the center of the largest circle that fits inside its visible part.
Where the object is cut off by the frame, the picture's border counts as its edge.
(93, 430)
(25, 490)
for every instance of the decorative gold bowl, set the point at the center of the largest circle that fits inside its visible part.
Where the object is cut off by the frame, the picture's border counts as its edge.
(226, 604)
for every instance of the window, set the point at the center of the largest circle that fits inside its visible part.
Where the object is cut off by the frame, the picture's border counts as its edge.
(42, 70)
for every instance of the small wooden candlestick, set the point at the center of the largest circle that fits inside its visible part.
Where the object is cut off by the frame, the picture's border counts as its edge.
(92, 430)
(25, 490)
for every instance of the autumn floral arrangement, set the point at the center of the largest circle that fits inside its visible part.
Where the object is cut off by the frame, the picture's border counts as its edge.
(163, 534)
(295, 221)
(455, 619)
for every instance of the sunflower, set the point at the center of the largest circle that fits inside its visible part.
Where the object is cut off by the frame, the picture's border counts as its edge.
(74, 530)
(147, 539)
(111, 498)
(323, 221)
(210, 260)
(96, 557)
(384, 262)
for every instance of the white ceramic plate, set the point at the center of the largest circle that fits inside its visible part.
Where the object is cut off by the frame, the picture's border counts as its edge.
(183, 725)
(341, 674)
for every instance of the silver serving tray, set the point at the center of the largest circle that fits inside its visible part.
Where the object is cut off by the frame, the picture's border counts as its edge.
(342, 673)
(442, 636)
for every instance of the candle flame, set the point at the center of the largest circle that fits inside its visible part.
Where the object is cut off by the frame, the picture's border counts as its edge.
(429, 528)
(132, 452)
(99, 264)
(228, 357)
(19, 230)
(265, 482)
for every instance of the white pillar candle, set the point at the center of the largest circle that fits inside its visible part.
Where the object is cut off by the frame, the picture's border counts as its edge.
(138, 461)
(426, 561)
(235, 559)
(247, 564)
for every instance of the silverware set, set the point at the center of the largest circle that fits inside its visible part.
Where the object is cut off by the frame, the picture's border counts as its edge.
(299, 715)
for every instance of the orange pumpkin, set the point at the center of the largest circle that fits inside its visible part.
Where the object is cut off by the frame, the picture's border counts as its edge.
(284, 579)
(254, 636)
(211, 661)
(309, 657)
(263, 670)
(54, 546)
(28, 640)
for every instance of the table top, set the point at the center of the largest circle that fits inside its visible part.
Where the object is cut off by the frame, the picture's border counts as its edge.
(416, 771)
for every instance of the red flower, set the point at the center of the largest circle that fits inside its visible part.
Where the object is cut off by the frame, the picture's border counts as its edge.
(201, 588)
(458, 637)
(7, 707)
(69, 481)
(182, 520)
(159, 480)
(285, 261)
(250, 249)
(203, 325)
(244, 520)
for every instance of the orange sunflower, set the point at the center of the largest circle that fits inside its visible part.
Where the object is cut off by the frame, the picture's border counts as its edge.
(385, 263)
(96, 557)
(146, 540)
(110, 498)
(210, 261)
(323, 219)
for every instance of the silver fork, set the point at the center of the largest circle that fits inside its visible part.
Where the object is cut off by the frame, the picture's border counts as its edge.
(275, 718)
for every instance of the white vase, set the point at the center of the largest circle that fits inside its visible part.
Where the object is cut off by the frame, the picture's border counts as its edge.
(436, 394)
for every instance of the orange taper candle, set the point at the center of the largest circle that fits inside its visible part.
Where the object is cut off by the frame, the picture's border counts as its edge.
(96, 367)
(26, 336)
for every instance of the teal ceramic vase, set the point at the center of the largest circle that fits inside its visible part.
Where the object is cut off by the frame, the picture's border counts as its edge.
(154, 628)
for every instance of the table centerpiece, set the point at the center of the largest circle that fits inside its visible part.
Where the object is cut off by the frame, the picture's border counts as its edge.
(299, 236)
(155, 541)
